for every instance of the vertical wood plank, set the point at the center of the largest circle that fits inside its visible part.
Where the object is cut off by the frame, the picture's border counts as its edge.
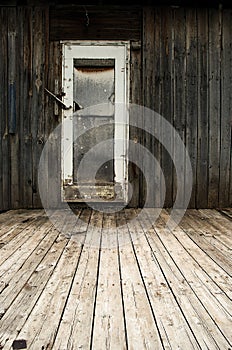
(1, 113)
(134, 133)
(20, 41)
(52, 175)
(13, 124)
(225, 190)
(147, 66)
(214, 105)
(179, 118)
(157, 90)
(25, 110)
(37, 88)
(202, 152)
(5, 150)
(157, 60)
(42, 130)
(191, 95)
(38, 121)
(51, 121)
(148, 96)
(11, 88)
(166, 69)
(230, 193)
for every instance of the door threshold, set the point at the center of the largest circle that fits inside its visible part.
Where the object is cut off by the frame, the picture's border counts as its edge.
(96, 205)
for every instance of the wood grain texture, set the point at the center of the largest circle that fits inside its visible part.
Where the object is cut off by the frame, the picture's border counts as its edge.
(148, 123)
(214, 105)
(14, 131)
(135, 134)
(203, 105)
(115, 282)
(5, 149)
(179, 96)
(191, 95)
(95, 23)
(225, 185)
(180, 67)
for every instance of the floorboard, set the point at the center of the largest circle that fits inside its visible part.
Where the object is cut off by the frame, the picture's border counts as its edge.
(115, 281)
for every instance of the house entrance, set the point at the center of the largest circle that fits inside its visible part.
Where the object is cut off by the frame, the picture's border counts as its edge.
(95, 125)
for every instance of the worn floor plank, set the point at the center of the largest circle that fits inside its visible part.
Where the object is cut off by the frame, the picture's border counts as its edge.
(164, 305)
(41, 327)
(12, 223)
(142, 332)
(192, 297)
(77, 318)
(108, 316)
(110, 282)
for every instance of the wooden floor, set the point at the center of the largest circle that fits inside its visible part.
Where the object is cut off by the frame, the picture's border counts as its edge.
(115, 285)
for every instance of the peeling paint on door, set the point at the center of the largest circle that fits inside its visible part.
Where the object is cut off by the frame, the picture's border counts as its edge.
(96, 77)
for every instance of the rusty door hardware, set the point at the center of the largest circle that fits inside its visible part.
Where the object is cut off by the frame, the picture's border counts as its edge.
(62, 104)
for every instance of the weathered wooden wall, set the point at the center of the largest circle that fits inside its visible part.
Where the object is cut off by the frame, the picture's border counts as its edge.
(35, 68)
(182, 70)
(95, 23)
(187, 74)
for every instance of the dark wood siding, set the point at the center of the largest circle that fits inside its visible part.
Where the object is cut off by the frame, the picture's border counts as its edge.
(180, 67)
(189, 67)
(5, 149)
(34, 57)
(95, 23)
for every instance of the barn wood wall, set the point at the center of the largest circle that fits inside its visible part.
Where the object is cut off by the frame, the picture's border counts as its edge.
(36, 66)
(187, 78)
(182, 70)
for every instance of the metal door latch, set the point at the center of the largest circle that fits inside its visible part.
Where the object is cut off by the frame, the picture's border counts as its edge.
(62, 104)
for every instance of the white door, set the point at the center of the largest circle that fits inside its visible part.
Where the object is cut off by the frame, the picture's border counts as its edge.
(95, 127)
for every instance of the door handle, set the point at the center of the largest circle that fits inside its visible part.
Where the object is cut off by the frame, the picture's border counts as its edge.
(62, 104)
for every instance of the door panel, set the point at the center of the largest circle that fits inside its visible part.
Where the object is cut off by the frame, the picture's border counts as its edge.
(95, 86)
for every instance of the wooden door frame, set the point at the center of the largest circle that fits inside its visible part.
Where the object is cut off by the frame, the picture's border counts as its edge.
(120, 52)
